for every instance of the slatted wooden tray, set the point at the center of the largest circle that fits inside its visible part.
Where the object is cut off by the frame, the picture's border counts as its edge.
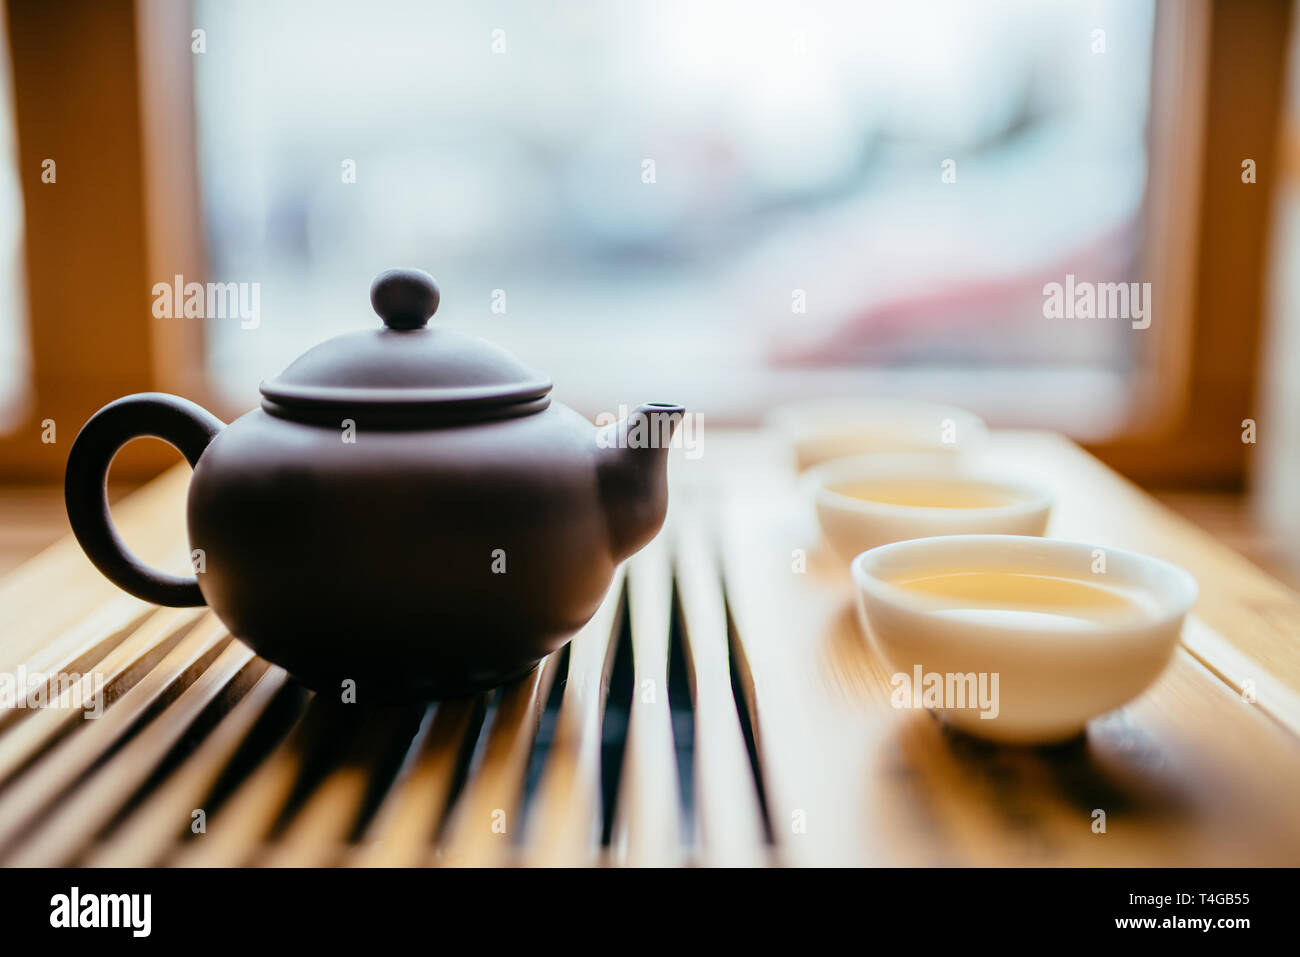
(721, 708)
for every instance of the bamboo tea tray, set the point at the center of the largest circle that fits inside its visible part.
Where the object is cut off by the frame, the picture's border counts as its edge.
(721, 708)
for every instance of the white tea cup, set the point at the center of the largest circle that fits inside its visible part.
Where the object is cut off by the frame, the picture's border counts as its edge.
(819, 430)
(1045, 634)
(872, 500)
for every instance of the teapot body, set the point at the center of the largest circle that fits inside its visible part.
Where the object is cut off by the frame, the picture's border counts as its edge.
(439, 560)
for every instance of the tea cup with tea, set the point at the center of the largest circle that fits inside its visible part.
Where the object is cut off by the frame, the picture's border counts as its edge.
(870, 500)
(1019, 639)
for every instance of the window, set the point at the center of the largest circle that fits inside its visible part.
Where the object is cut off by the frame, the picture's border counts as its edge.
(722, 204)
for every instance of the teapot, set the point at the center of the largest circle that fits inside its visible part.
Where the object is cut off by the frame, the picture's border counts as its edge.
(408, 508)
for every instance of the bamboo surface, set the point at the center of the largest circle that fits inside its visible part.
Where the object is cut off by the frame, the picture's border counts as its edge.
(777, 745)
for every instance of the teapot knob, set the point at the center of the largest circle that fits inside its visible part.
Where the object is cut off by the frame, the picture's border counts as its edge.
(404, 298)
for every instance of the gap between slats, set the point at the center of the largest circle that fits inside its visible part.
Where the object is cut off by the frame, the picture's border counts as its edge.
(480, 827)
(647, 827)
(728, 808)
(563, 826)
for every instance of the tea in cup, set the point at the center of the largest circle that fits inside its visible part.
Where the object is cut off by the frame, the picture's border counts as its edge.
(872, 500)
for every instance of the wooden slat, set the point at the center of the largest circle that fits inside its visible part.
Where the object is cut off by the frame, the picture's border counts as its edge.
(481, 827)
(647, 829)
(318, 833)
(1243, 675)
(60, 768)
(236, 831)
(726, 802)
(88, 640)
(403, 831)
(564, 826)
(149, 834)
(102, 794)
(35, 731)
(810, 751)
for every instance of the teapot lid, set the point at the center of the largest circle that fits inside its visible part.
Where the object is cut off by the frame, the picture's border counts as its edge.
(405, 374)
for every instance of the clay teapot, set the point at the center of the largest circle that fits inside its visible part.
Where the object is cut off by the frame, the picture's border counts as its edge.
(408, 508)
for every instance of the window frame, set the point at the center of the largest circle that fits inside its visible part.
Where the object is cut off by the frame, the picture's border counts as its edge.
(130, 206)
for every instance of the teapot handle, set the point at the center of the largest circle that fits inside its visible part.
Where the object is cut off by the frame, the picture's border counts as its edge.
(179, 422)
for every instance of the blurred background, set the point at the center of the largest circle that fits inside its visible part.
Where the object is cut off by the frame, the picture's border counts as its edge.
(795, 147)
(730, 205)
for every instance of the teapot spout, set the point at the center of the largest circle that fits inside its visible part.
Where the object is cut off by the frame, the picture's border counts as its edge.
(632, 468)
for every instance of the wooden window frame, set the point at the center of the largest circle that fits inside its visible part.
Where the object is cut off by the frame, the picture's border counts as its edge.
(1217, 99)
(105, 87)
(123, 210)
